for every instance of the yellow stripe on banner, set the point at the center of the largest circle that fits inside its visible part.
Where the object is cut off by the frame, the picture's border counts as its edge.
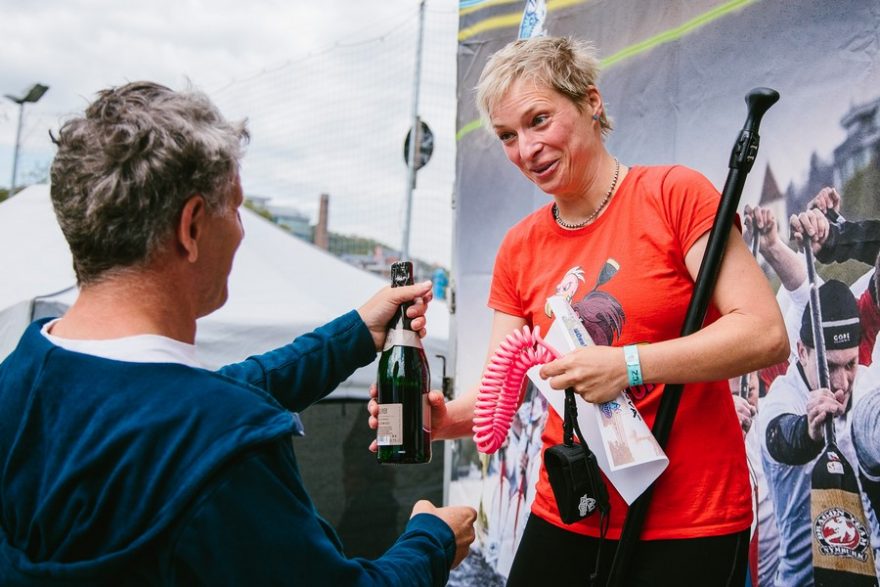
(675, 33)
(491, 23)
(467, 129)
(508, 20)
(487, 4)
(641, 47)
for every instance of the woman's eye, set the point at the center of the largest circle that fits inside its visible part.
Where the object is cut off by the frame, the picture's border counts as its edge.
(505, 137)
(539, 120)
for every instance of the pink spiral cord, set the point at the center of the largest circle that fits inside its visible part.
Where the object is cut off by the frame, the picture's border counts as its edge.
(498, 397)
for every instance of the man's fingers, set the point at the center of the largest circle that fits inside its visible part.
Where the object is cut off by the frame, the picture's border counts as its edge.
(419, 324)
(419, 305)
(423, 506)
(408, 293)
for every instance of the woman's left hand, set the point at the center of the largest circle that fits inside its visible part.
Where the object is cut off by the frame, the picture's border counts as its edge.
(596, 373)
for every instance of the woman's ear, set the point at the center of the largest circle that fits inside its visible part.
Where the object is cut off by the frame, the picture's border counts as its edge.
(595, 103)
(190, 226)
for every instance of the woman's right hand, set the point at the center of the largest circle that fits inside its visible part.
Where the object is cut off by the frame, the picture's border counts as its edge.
(597, 373)
(439, 414)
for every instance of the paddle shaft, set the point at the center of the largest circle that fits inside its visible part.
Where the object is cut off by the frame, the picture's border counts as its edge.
(742, 158)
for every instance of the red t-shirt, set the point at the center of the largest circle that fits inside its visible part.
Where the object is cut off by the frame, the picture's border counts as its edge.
(657, 214)
(869, 314)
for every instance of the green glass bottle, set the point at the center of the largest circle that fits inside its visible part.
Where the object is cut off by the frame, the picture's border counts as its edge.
(404, 433)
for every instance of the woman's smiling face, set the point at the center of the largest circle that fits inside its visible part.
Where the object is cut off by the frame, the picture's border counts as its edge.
(548, 138)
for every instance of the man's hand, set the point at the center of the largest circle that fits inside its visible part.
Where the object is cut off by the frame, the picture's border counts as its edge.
(745, 412)
(811, 225)
(763, 221)
(823, 404)
(460, 520)
(379, 309)
(438, 412)
(826, 199)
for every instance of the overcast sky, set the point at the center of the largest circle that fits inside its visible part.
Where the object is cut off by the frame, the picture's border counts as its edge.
(80, 46)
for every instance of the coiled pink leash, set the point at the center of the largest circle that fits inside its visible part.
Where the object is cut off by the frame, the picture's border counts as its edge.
(500, 387)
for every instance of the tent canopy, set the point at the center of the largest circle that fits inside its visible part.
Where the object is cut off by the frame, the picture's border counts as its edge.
(280, 287)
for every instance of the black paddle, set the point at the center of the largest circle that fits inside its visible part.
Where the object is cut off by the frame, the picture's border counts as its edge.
(758, 101)
(839, 530)
(744, 378)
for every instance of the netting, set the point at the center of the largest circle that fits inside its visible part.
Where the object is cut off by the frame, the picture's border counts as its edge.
(334, 122)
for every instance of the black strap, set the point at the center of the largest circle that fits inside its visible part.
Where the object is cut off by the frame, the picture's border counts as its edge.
(569, 420)
(570, 427)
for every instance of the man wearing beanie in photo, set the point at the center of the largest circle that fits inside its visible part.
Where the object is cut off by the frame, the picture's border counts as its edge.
(790, 421)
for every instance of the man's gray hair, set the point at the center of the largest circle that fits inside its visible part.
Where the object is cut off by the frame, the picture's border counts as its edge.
(124, 170)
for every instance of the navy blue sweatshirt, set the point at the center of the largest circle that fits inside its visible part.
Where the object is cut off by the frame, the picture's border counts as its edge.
(117, 473)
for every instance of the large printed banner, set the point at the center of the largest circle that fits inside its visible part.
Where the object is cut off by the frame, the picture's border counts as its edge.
(675, 73)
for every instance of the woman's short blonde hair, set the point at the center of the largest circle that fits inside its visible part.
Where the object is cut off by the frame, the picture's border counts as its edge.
(563, 64)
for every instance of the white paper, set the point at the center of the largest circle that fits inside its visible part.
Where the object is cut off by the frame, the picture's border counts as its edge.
(629, 455)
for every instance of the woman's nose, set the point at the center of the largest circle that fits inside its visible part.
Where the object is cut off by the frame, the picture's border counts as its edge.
(528, 147)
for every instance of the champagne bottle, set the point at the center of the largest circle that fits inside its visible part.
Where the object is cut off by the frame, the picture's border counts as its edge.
(404, 433)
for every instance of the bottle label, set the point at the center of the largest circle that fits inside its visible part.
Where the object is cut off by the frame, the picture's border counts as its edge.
(400, 336)
(390, 431)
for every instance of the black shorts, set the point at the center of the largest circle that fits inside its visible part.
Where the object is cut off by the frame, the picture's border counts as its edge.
(549, 555)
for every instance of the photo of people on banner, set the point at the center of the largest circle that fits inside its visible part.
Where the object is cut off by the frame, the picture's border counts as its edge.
(673, 78)
(782, 409)
(792, 405)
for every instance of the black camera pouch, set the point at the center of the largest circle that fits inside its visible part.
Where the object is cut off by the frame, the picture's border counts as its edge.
(573, 472)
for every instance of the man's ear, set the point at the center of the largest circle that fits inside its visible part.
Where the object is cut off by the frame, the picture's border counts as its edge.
(191, 226)
(803, 354)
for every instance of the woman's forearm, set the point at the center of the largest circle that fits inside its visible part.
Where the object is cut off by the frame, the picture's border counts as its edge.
(732, 345)
(459, 419)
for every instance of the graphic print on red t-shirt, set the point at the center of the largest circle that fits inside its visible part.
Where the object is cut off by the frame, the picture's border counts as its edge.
(600, 312)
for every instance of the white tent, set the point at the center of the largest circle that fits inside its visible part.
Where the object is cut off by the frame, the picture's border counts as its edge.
(280, 287)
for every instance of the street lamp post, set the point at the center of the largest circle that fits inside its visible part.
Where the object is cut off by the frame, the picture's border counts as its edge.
(33, 95)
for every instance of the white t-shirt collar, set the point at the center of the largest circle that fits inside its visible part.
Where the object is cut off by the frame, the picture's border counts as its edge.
(142, 348)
